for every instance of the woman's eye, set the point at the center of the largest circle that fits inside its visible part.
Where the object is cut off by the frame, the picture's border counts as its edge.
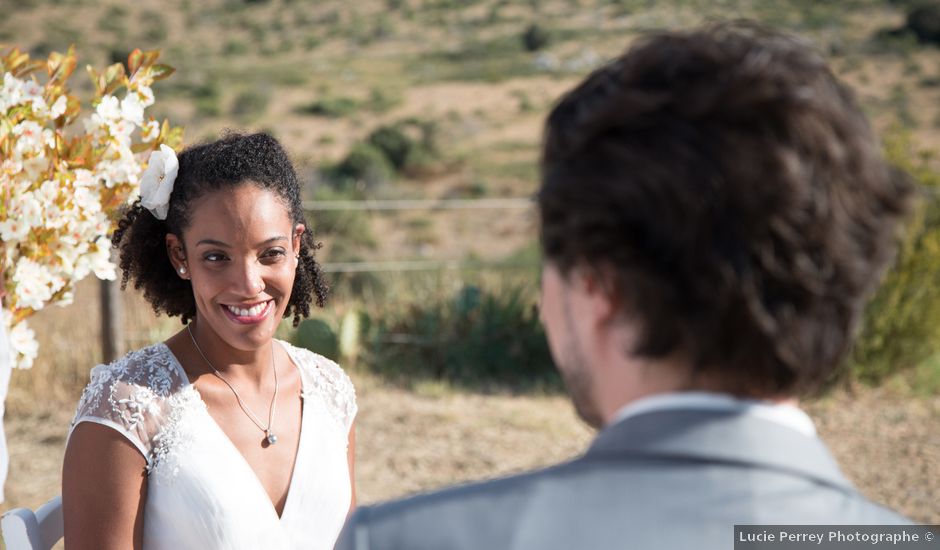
(214, 257)
(274, 254)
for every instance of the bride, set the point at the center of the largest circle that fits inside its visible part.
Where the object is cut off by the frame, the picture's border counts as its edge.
(221, 437)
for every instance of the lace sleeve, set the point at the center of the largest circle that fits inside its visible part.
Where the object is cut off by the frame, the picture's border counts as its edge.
(339, 390)
(128, 396)
(327, 380)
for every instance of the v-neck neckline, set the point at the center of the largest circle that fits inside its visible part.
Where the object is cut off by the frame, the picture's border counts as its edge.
(254, 475)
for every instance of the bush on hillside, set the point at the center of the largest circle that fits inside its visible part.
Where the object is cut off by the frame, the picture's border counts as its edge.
(901, 327)
(535, 38)
(475, 339)
(363, 169)
(411, 146)
(250, 104)
(924, 22)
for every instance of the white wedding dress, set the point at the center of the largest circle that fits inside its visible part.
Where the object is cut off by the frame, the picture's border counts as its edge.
(201, 493)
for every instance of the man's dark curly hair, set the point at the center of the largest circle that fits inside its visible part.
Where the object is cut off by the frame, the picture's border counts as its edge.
(234, 160)
(738, 195)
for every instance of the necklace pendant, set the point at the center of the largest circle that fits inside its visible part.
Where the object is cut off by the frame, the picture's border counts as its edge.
(272, 439)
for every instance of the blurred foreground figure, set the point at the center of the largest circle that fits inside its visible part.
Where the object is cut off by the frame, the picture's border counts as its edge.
(714, 212)
(6, 369)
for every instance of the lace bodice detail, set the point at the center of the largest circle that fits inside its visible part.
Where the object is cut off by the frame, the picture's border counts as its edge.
(145, 395)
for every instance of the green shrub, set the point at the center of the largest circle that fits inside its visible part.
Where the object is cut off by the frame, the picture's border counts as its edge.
(235, 47)
(476, 339)
(208, 98)
(411, 146)
(112, 20)
(382, 100)
(363, 169)
(250, 103)
(318, 336)
(901, 327)
(535, 38)
(155, 29)
(393, 142)
(924, 22)
(333, 107)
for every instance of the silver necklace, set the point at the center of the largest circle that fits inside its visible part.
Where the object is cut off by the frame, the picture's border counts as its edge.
(269, 434)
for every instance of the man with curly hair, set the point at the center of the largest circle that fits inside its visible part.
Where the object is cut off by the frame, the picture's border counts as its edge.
(714, 212)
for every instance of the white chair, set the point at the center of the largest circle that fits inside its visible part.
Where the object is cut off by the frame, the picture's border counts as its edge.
(25, 530)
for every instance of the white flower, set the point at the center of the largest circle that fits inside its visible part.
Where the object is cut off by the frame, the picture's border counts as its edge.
(85, 178)
(58, 108)
(32, 90)
(26, 214)
(101, 261)
(11, 167)
(12, 92)
(132, 109)
(13, 230)
(30, 210)
(156, 185)
(146, 95)
(33, 284)
(23, 344)
(109, 108)
(119, 171)
(150, 131)
(30, 135)
(35, 167)
(87, 199)
(121, 131)
(94, 125)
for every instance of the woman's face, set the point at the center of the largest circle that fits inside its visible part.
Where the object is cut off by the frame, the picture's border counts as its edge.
(240, 253)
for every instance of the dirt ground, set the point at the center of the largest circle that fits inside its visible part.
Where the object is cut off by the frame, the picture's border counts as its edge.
(887, 443)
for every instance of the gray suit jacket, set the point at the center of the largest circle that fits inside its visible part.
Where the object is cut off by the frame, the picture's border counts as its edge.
(667, 479)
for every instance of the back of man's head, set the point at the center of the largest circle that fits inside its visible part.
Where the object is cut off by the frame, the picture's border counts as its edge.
(737, 194)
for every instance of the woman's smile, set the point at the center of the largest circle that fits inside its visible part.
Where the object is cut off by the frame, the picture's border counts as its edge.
(247, 314)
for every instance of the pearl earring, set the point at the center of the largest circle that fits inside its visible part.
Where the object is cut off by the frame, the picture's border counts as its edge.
(182, 270)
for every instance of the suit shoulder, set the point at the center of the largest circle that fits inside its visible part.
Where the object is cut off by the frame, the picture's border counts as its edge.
(481, 513)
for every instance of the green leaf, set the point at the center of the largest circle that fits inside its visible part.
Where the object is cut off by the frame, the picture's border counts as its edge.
(159, 72)
(134, 60)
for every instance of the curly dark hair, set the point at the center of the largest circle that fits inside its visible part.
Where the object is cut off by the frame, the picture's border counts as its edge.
(225, 163)
(738, 195)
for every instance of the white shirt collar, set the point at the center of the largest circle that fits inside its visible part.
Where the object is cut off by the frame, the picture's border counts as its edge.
(781, 413)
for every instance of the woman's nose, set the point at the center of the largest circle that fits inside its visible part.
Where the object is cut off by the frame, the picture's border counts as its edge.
(251, 283)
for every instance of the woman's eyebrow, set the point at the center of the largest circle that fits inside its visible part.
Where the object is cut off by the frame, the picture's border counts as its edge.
(214, 242)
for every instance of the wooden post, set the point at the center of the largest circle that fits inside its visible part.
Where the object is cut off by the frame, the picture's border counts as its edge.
(112, 321)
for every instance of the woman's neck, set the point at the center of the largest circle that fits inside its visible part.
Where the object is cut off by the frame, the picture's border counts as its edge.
(235, 364)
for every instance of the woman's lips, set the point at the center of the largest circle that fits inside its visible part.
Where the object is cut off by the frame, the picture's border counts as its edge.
(248, 315)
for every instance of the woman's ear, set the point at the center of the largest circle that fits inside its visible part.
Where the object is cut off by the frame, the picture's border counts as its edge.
(177, 255)
(299, 230)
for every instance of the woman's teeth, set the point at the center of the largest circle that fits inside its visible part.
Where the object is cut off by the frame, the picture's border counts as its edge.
(253, 311)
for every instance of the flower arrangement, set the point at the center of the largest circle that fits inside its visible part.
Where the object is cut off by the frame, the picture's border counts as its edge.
(65, 177)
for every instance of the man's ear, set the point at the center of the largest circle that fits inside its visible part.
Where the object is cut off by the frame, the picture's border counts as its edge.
(599, 285)
(177, 255)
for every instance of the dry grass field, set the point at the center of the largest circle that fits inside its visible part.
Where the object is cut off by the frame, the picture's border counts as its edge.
(323, 74)
(886, 443)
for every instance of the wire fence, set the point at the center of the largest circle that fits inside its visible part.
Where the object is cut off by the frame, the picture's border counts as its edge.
(517, 203)
(403, 265)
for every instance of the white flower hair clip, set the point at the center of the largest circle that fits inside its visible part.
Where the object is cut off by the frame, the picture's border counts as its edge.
(156, 185)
